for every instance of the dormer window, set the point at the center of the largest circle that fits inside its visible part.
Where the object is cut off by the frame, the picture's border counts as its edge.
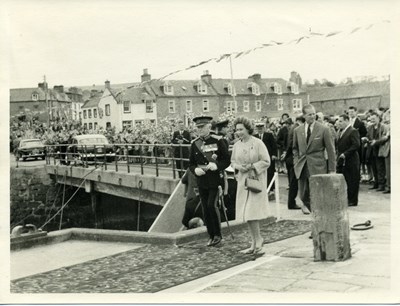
(35, 97)
(168, 89)
(276, 87)
(230, 89)
(255, 89)
(294, 88)
(201, 88)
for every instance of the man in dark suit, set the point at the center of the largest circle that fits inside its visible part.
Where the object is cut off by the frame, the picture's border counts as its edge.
(348, 162)
(357, 124)
(309, 143)
(288, 157)
(270, 142)
(181, 137)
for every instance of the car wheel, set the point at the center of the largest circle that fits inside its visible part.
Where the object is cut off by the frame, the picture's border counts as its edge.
(24, 158)
(43, 157)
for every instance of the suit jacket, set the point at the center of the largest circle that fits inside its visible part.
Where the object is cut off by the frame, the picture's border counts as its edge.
(289, 147)
(360, 127)
(282, 137)
(186, 141)
(348, 144)
(313, 152)
(269, 140)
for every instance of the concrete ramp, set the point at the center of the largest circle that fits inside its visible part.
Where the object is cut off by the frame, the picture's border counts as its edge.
(170, 217)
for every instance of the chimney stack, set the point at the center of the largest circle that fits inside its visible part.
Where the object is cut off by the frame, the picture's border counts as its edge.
(107, 84)
(59, 88)
(256, 77)
(206, 77)
(145, 76)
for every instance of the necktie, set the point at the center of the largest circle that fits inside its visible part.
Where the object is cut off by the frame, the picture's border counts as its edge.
(308, 133)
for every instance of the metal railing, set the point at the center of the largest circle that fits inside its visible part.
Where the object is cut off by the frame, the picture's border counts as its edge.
(149, 158)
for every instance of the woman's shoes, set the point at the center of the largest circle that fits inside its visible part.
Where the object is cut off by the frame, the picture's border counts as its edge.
(247, 251)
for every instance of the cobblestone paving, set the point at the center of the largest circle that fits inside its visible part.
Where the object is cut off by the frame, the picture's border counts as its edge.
(154, 267)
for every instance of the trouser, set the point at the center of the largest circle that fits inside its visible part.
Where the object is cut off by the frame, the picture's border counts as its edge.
(293, 185)
(387, 168)
(179, 163)
(352, 176)
(304, 187)
(211, 213)
(192, 210)
(378, 170)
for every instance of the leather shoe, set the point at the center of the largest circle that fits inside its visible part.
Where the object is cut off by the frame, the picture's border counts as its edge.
(386, 191)
(294, 207)
(305, 210)
(353, 204)
(209, 242)
(216, 240)
(373, 187)
(380, 189)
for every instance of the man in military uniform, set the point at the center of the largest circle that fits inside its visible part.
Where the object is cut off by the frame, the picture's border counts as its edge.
(208, 158)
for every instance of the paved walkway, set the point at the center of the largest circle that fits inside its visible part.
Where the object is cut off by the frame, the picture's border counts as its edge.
(288, 265)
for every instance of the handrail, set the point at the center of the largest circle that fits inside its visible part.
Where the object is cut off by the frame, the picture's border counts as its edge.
(122, 157)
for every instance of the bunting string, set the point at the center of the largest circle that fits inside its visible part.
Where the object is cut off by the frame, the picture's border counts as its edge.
(274, 43)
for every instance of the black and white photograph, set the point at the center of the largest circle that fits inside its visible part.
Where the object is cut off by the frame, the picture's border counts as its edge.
(199, 151)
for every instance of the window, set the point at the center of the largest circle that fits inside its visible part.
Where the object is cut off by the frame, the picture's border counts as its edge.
(153, 121)
(90, 126)
(297, 104)
(149, 106)
(206, 106)
(231, 107)
(138, 122)
(277, 88)
(201, 88)
(127, 106)
(231, 89)
(89, 112)
(171, 106)
(168, 89)
(95, 113)
(280, 104)
(108, 110)
(255, 89)
(246, 106)
(85, 126)
(80, 115)
(108, 125)
(35, 97)
(95, 125)
(258, 105)
(189, 106)
(84, 114)
(127, 124)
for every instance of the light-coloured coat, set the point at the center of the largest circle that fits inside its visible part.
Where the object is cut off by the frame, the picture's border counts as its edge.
(313, 152)
(250, 205)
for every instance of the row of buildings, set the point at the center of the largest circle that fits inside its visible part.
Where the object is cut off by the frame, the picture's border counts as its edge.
(123, 106)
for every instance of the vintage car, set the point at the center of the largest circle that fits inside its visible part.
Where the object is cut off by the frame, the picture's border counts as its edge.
(30, 148)
(90, 148)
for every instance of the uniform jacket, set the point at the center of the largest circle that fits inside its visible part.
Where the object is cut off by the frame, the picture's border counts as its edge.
(313, 152)
(200, 157)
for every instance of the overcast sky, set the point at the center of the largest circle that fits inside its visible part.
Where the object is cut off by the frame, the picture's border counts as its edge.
(87, 42)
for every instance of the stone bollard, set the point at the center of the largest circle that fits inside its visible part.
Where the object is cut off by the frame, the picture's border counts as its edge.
(330, 227)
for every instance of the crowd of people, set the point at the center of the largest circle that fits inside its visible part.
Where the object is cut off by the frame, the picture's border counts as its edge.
(356, 145)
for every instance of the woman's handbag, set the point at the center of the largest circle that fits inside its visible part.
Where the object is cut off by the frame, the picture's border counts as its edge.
(252, 183)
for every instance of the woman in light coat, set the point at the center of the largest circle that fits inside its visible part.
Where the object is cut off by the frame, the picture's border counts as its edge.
(250, 155)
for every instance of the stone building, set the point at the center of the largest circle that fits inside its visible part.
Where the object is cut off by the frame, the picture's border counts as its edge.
(43, 103)
(364, 96)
